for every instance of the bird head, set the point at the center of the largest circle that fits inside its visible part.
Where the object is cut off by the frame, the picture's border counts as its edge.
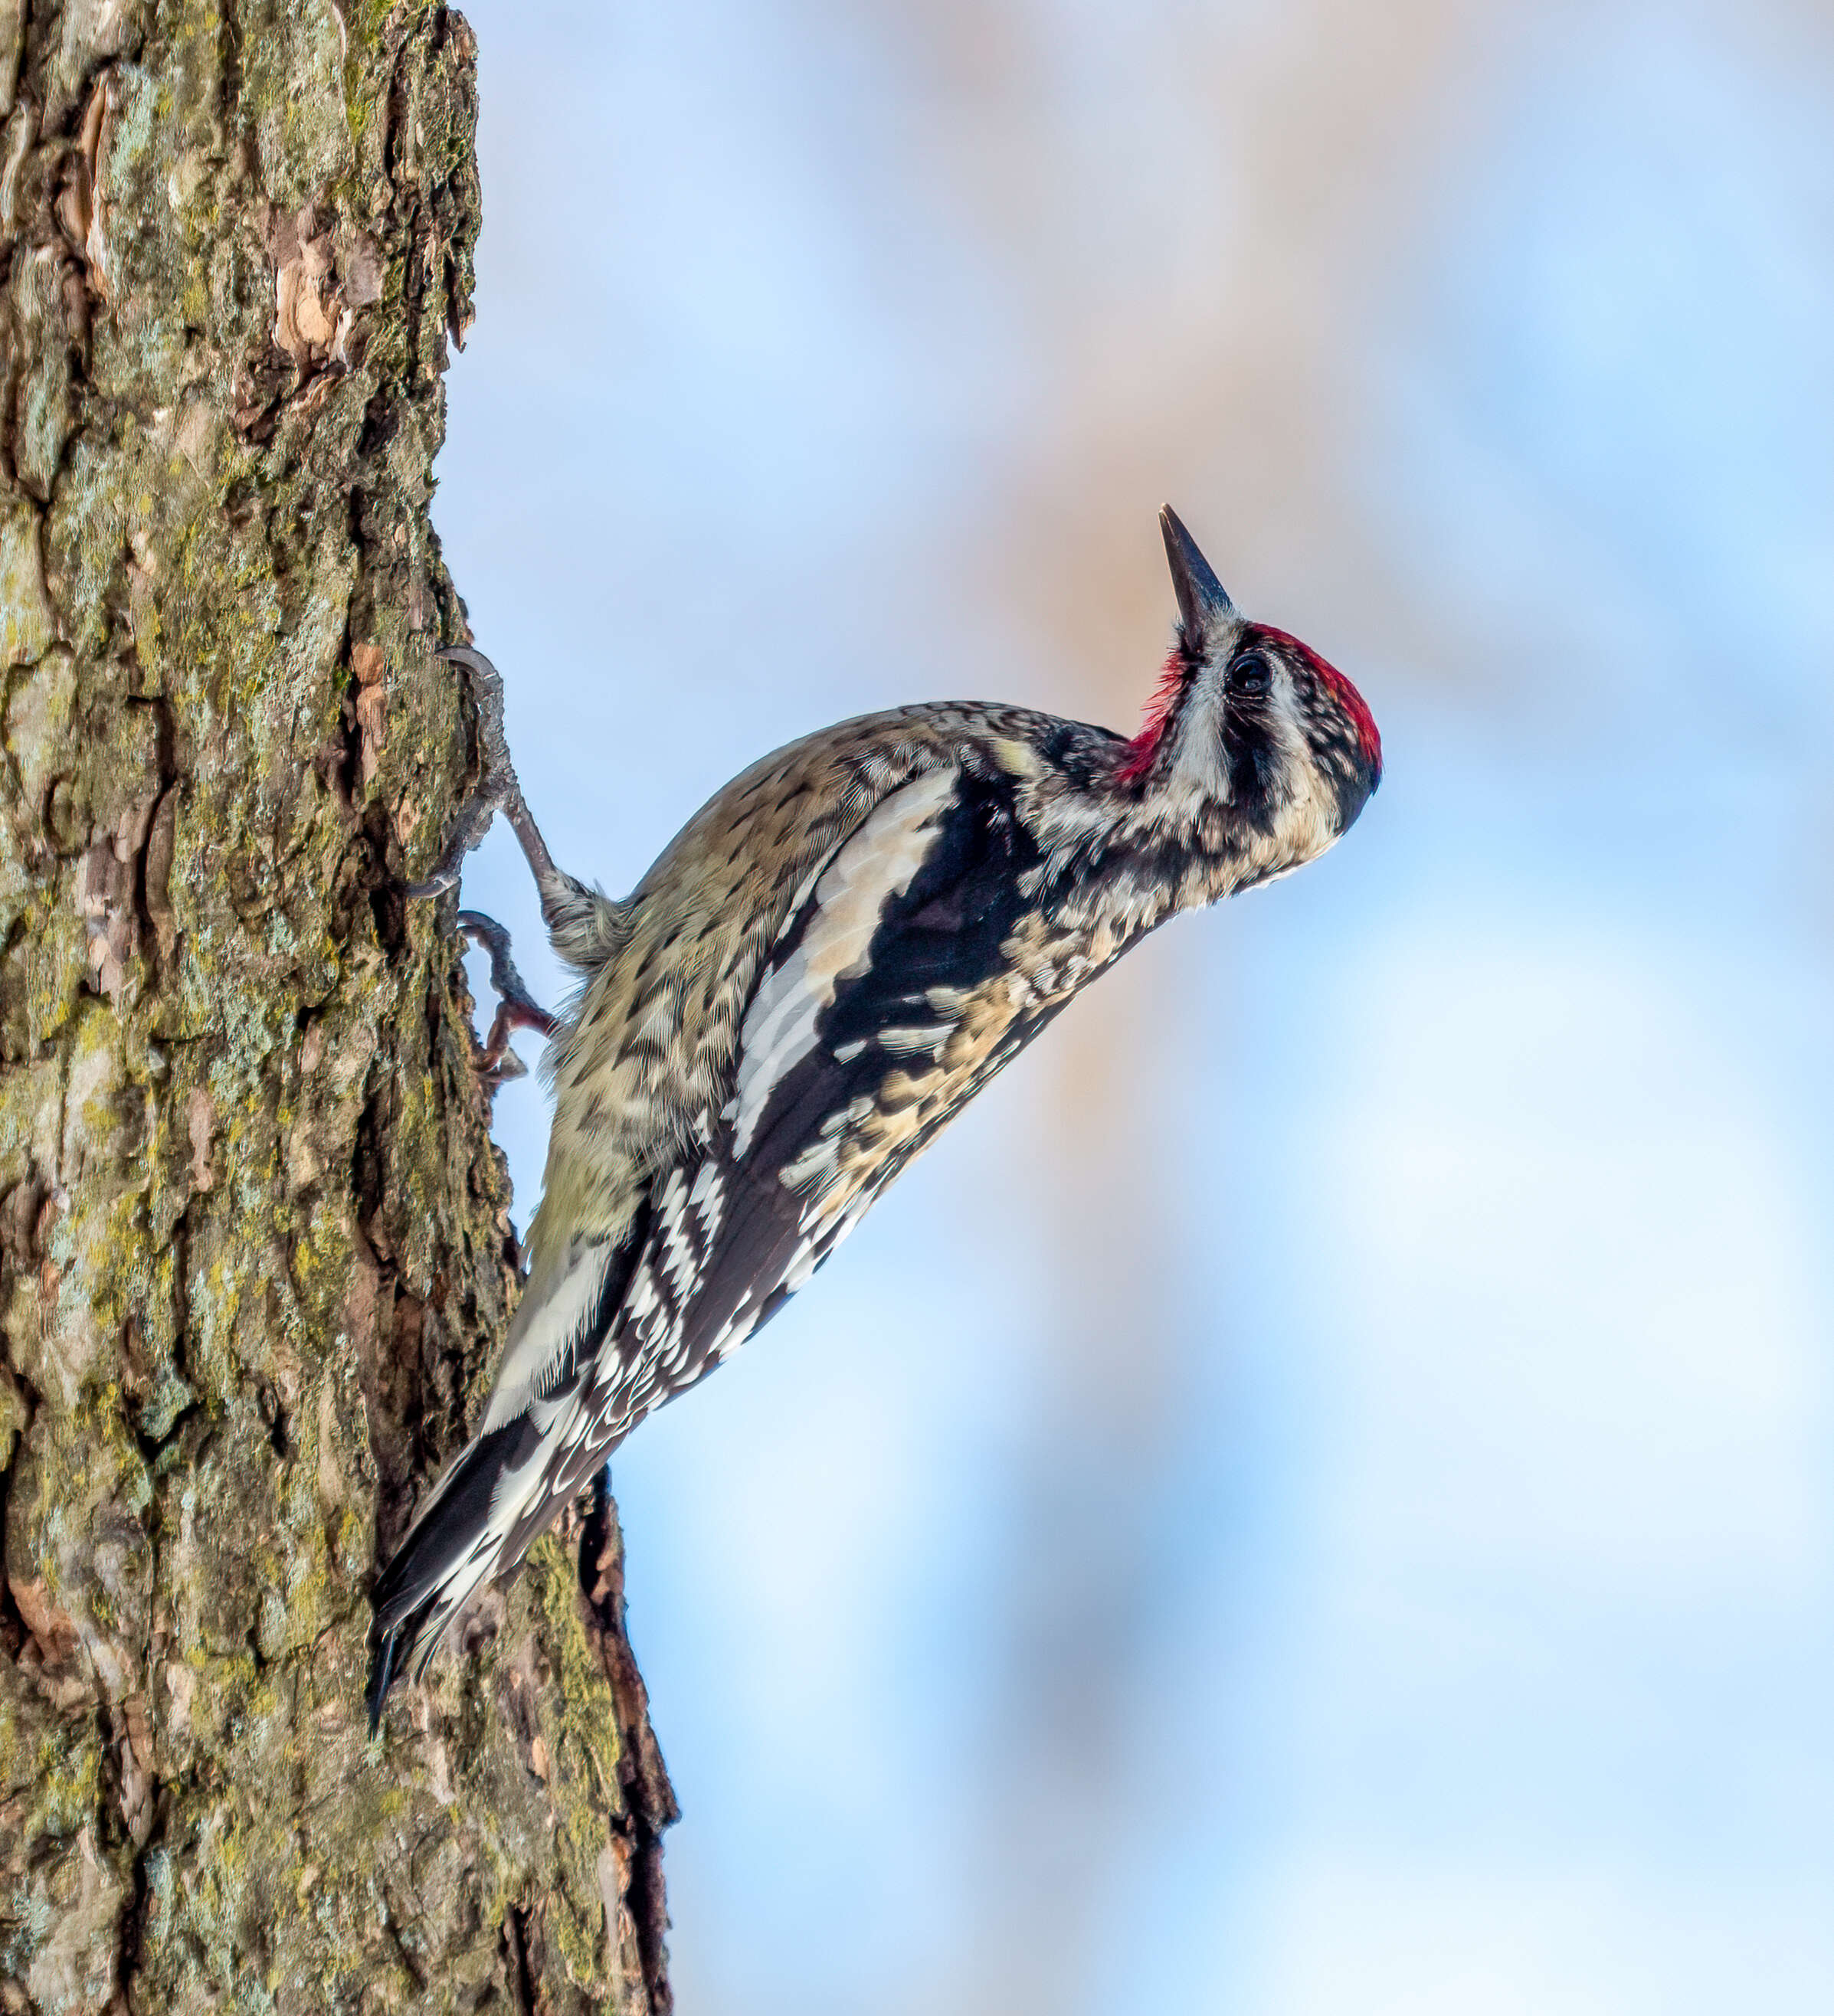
(1249, 719)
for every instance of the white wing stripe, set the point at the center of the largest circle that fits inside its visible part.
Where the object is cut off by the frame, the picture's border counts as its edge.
(879, 862)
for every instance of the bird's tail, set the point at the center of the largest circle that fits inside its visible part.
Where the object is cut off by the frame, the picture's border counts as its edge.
(457, 1543)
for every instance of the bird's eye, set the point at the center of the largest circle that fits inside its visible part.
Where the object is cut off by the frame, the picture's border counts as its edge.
(1250, 674)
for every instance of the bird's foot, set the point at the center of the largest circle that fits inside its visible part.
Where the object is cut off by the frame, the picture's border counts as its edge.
(517, 1008)
(498, 790)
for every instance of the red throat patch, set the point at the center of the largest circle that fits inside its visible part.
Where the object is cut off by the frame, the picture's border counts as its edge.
(1158, 711)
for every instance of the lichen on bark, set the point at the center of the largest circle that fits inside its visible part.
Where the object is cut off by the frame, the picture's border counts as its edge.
(255, 1251)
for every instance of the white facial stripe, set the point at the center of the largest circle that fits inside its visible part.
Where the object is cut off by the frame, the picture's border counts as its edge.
(879, 862)
(1289, 723)
(1307, 824)
(1201, 770)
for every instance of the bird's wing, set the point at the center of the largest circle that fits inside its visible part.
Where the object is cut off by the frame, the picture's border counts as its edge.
(888, 994)
(628, 1208)
(901, 981)
(805, 1126)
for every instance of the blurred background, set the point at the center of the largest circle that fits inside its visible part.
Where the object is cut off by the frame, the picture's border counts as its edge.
(1316, 1495)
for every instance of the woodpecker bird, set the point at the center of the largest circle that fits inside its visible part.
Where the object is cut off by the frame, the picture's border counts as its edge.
(827, 963)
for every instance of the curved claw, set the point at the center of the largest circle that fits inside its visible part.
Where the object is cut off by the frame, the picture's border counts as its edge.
(517, 1008)
(494, 786)
(507, 1067)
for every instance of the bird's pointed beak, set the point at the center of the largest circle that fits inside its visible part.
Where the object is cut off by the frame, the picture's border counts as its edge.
(1202, 600)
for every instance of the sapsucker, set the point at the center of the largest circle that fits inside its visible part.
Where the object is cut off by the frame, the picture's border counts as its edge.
(827, 963)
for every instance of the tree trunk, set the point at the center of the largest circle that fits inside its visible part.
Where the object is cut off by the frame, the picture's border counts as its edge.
(255, 1252)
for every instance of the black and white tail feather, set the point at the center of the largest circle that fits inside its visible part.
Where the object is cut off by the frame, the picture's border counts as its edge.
(492, 1504)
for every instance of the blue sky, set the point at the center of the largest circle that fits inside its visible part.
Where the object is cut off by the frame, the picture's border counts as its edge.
(1316, 1496)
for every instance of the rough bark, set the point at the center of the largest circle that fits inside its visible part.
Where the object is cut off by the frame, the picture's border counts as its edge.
(255, 1253)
